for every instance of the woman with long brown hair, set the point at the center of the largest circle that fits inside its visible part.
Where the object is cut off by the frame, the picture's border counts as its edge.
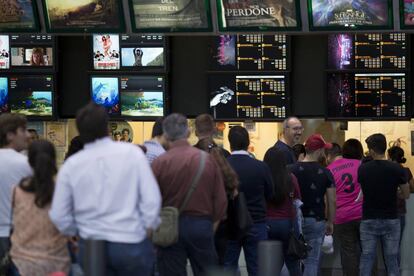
(38, 248)
(231, 183)
(281, 214)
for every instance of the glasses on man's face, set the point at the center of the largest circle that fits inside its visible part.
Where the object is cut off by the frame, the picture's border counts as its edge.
(296, 129)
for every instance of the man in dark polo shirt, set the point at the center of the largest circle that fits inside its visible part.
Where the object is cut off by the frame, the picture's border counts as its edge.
(382, 181)
(291, 134)
(256, 184)
(174, 171)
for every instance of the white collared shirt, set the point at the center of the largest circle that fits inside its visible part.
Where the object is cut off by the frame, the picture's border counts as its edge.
(108, 192)
(240, 152)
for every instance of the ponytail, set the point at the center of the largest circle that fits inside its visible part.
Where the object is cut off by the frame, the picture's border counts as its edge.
(42, 159)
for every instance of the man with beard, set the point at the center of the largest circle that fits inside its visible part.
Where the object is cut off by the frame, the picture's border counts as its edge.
(291, 134)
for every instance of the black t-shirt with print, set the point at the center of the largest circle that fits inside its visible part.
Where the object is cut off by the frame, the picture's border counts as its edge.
(313, 181)
(379, 181)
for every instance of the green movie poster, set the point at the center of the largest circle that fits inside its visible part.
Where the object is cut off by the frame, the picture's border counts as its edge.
(170, 15)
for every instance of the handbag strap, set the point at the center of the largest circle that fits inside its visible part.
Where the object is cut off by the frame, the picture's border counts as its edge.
(194, 183)
(12, 208)
(291, 197)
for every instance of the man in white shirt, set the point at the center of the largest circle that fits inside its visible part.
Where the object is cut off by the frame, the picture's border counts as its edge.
(14, 167)
(108, 192)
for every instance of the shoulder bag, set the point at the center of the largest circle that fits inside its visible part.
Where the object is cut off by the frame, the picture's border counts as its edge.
(297, 247)
(167, 233)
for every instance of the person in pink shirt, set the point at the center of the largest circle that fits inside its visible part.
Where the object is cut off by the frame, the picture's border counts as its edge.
(344, 165)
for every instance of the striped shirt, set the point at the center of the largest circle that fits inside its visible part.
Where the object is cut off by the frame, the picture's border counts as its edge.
(154, 149)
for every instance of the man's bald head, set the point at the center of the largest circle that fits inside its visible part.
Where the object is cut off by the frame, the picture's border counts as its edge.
(292, 131)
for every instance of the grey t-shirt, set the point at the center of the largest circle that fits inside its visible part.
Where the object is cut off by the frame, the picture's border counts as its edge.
(14, 167)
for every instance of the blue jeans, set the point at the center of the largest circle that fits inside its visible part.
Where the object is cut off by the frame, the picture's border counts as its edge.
(388, 232)
(280, 229)
(402, 222)
(126, 259)
(257, 233)
(195, 242)
(314, 233)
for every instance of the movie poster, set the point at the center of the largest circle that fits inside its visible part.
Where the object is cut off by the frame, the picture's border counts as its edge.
(106, 51)
(409, 12)
(258, 13)
(4, 52)
(16, 14)
(39, 127)
(170, 14)
(4, 95)
(340, 96)
(143, 57)
(341, 51)
(224, 52)
(105, 92)
(349, 13)
(83, 14)
(32, 103)
(121, 132)
(56, 133)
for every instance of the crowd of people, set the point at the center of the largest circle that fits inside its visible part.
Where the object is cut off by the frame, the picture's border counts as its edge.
(115, 192)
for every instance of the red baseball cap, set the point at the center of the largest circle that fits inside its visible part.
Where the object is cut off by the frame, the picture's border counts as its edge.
(315, 142)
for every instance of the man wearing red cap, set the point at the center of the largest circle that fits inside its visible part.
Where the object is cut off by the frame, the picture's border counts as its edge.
(315, 182)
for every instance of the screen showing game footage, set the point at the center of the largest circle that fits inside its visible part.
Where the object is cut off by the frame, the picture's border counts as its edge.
(248, 97)
(4, 52)
(368, 51)
(31, 95)
(83, 15)
(376, 95)
(250, 52)
(238, 15)
(350, 14)
(142, 96)
(106, 54)
(139, 52)
(407, 14)
(105, 92)
(170, 15)
(32, 50)
(4, 95)
(17, 15)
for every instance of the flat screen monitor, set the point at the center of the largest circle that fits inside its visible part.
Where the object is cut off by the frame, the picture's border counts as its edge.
(140, 52)
(4, 95)
(258, 15)
(367, 96)
(368, 51)
(142, 96)
(407, 14)
(250, 52)
(350, 14)
(170, 16)
(18, 16)
(106, 54)
(83, 15)
(32, 51)
(105, 92)
(32, 96)
(248, 96)
(4, 52)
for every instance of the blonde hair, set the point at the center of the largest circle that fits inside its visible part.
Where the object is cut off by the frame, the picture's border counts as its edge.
(40, 52)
